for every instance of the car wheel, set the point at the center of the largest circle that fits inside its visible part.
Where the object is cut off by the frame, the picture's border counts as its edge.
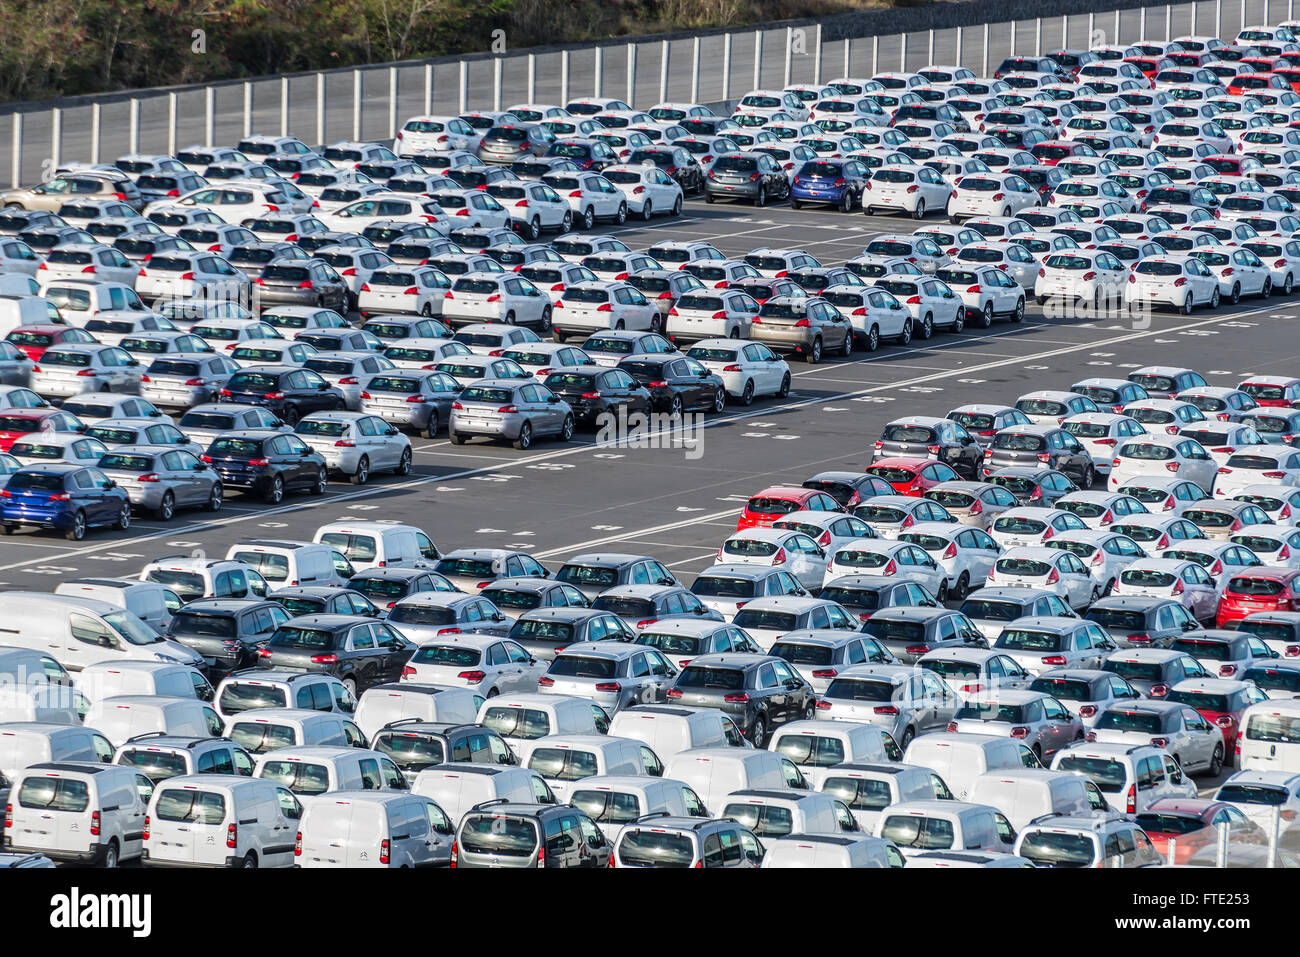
(8, 529)
(986, 317)
(1019, 314)
(963, 586)
(784, 391)
(321, 483)
(455, 437)
(943, 591)
(905, 336)
(350, 683)
(708, 197)
(960, 322)
(426, 310)
(290, 416)
(545, 325)
(795, 204)
(535, 228)
(566, 430)
(810, 710)
(1216, 761)
(362, 474)
(1214, 297)
(719, 399)
(734, 333)
(1267, 291)
(123, 517)
(167, 508)
(1038, 752)
(761, 199)
(747, 393)
(111, 855)
(275, 494)
(1287, 285)
(78, 530)
(525, 440)
(558, 336)
(1089, 477)
(908, 735)
(588, 218)
(1006, 210)
(675, 407)
(813, 354)
(1187, 305)
(872, 339)
(758, 732)
(1235, 297)
(919, 212)
(927, 327)
(646, 211)
(846, 202)
(618, 325)
(216, 498)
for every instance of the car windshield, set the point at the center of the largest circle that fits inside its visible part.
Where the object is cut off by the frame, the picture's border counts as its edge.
(636, 608)
(1028, 567)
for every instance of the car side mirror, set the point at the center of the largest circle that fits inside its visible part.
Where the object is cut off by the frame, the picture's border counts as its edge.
(552, 399)
(200, 467)
(110, 484)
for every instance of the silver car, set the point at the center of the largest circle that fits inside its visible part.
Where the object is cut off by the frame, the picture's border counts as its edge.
(818, 655)
(431, 614)
(115, 432)
(1196, 743)
(1042, 643)
(472, 569)
(355, 444)
(515, 596)
(613, 674)
(203, 423)
(1035, 718)
(906, 702)
(418, 401)
(161, 479)
(183, 380)
(509, 409)
(1085, 692)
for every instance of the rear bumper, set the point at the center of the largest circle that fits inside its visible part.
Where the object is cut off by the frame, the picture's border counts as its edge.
(147, 861)
(17, 515)
(94, 855)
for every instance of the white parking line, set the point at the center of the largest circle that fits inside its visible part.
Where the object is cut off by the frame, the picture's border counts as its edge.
(635, 533)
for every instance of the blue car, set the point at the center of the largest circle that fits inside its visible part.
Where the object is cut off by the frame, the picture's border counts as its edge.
(835, 182)
(68, 497)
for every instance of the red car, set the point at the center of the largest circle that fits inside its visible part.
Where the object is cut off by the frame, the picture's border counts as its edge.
(1220, 701)
(1275, 391)
(1193, 824)
(1244, 84)
(32, 341)
(17, 423)
(1227, 164)
(780, 500)
(1260, 589)
(1051, 152)
(1150, 65)
(912, 476)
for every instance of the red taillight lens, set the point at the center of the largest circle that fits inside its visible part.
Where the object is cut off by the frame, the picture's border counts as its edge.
(609, 686)
(384, 848)
(10, 807)
(545, 682)
(737, 698)
(474, 676)
(327, 659)
(673, 693)
(232, 836)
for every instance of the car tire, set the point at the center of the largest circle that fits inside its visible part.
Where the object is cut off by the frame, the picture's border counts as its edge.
(216, 498)
(362, 474)
(963, 587)
(350, 683)
(1038, 752)
(1006, 210)
(905, 336)
(619, 325)
(456, 438)
(1041, 300)
(1235, 297)
(758, 731)
(867, 210)
(534, 229)
(747, 393)
(525, 440)
(322, 482)
(567, 429)
(111, 856)
(166, 508)
(558, 336)
(1216, 761)
(960, 322)
(290, 416)
(846, 202)
(1186, 308)
(908, 735)
(404, 463)
(123, 517)
(275, 493)
(986, 317)
(427, 311)
(1267, 291)
(708, 198)
(1214, 297)
(621, 216)
(1288, 285)
(795, 204)
(919, 212)
(813, 354)
(1018, 314)
(675, 407)
(720, 400)
(871, 341)
(78, 530)
(646, 211)
(927, 327)
(1089, 477)
(784, 391)
(761, 199)
(942, 596)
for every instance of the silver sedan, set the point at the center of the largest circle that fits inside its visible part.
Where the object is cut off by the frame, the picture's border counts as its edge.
(161, 479)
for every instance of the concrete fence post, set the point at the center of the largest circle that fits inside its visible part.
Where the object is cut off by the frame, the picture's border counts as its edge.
(1013, 37)
(695, 71)
(356, 105)
(56, 137)
(95, 111)
(1065, 29)
(498, 65)
(1221, 857)
(1038, 36)
(902, 54)
(985, 71)
(428, 85)
(1290, 9)
(848, 59)
(1274, 831)
(133, 127)
(597, 70)
(663, 71)
(392, 101)
(758, 59)
(1169, 21)
(929, 48)
(875, 54)
(564, 77)
(1142, 23)
(817, 56)
(320, 105)
(464, 85)
(1115, 38)
(1243, 15)
(629, 61)
(726, 67)
(1218, 17)
(171, 124)
(209, 115)
(16, 150)
(1092, 28)
(248, 108)
(789, 55)
(1171, 852)
(284, 106)
(532, 77)
(959, 59)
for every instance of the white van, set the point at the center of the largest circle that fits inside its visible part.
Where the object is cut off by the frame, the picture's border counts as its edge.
(51, 704)
(831, 850)
(776, 812)
(384, 704)
(312, 771)
(379, 545)
(520, 718)
(221, 820)
(458, 787)
(1270, 737)
(867, 789)
(123, 717)
(1023, 794)
(668, 729)
(916, 826)
(713, 773)
(293, 563)
(110, 678)
(260, 730)
(815, 746)
(152, 603)
(23, 744)
(563, 759)
(22, 311)
(374, 829)
(81, 631)
(26, 667)
(959, 757)
(78, 811)
(614, 800)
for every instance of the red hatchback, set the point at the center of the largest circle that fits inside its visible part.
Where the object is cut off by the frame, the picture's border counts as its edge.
(780, 500)
(17, 423)
(912, 476)
(1275, 391)
(1193, 824)
(1260, 589)
(1051, 152)
(32, 341)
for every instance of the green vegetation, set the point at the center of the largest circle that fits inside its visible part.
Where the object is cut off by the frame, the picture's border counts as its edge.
(68, 47)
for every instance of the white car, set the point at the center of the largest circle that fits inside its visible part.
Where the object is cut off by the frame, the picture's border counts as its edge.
(533, 207)
(1182, 282)
(920, 250)
(931, 302)
(1051, 569)
(494, 338)
(1239, 271)
(646, 189)
(1090, 189)
(909, 189)
(389, 207)
(966, 555)
(191, 275)
(1190, 132)
(747, 369)
(711, 314)
(1156, 533)
(79, 260)
(1098, 509)
(596, 305)
(471, 209)
(1100, 432)
(423, 353)
(789, 550)
(1031, 526)
(986, 292)
(875, 556)
(1105, 554)
(68, 370)
(1281, 503)
(356, 444)
(1196, 743)
(1160, 455)
(591, 196)
(829, 530)
(486, 664)
(497, 297)
(435, 134)
(1092, 275)
(1221, 440)
(1221, 559)
(404, 290)
(1257, 793)
(873, 313)
(257, 352)
(1282, 256)
(1184, 581)
(46, 449)
(113, 328)
(1167, 416)
(990, 194)
(1253, 465)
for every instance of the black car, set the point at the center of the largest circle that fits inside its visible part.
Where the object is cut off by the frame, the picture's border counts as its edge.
(227, 632)
(759, 692)
(309, 282)
(478, 177)
(14, 220)
(864, 595)
(926, 436)
(383, 232)
(385, 587)
(747, 175)
(1033, 486)
(1021, 445)
(415, 745)
(1044, 179)
(1028, 64)
(324, 600)
(358, 651)
(252, 256)
(287, 391)
(592, 155)
(268, 463)
(849, 488)
(814, 280)
(677, 382)
(594, 392)
(535, 167)
(328, 237)
(139, 247)
(1142, 621)
(675, 161)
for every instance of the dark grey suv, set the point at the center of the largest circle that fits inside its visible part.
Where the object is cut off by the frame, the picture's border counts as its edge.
(545, 631)
(227, 632)
(504, 834)
(1139, 621)
(1041, 445)
(759, 692)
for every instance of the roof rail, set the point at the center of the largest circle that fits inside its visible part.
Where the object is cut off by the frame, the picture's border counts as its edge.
(147, 734)
(652, 815)
(491, 803)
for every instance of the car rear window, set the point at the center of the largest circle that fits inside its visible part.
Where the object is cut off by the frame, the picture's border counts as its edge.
(1109, 775)
(1244, 585)
(1058, 849)
(1274, 728)
(884, 629)
(654, 848)
(513, 722)
(154, 764)
(907, 830)
(191, 806)
(54, 794)
(1119, 719)
(410, 752)
(581, 666)
(719, 586)
(563, 764)
(413, 614)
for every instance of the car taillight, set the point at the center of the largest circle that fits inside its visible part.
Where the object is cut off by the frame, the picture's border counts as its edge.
(326, 659)
(608, 686)
(825, 673)
(1159, 690)
(1130, 797)
(259, 463)
(891, 568)
(305, 284)
(94, 823)
(384, 846)
(1227, 671)
(1054, 577)
(674, 692)
(736, 698)
(780, 557)
(545, 682)
(917, 649)
(952, 726)
(232, 835)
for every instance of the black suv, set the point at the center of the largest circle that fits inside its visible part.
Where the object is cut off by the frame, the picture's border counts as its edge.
(227, 632)
(504, 834)
(385, 587)
(268, 463)
(677, 382)
(287, 391)
(760, 692)
(359, 652)
(545, 631)
(324, 600)
(594, 392)
(415, 745)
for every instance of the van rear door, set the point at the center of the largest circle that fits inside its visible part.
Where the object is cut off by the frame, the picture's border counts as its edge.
(189, 825)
